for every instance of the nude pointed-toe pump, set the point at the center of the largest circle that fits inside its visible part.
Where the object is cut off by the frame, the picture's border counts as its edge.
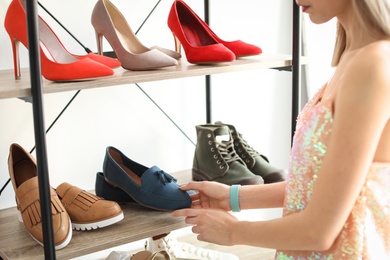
(109, 22)
(57, 63)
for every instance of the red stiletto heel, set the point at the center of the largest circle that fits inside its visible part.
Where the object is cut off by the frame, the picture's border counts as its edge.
(198, 44)
(15, 52)
(56, 62)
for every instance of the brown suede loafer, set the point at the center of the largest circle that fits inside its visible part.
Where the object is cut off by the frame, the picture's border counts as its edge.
(23, 173)
(86, 210)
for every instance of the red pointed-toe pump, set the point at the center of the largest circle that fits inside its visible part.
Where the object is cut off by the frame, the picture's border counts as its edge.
(57, 63)
(191, 20)
(198, 43)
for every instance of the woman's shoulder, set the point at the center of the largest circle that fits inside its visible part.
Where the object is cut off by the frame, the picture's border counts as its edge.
(373, 55)
(370, 62)
(367, 71)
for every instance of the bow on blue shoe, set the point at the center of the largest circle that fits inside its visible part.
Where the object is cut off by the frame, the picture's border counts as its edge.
(150, 187)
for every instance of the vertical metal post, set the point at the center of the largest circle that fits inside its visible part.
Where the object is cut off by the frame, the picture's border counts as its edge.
(296, 66)
(39, 129)
(207, 77)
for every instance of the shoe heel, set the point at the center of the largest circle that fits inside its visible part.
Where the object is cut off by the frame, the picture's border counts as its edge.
(15, 52)
(111, 183)
(99, 42)
(177, 44)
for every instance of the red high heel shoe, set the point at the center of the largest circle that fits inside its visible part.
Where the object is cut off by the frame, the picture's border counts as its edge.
(198, 43)
(238, 47)
(56, 62)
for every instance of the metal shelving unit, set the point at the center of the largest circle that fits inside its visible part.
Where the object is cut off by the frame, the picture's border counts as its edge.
(37, 91)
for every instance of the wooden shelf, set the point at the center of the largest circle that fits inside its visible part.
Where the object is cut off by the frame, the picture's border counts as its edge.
(138, 223)
(11, 88)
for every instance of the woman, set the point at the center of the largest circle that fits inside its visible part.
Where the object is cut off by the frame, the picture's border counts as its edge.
(336, 198)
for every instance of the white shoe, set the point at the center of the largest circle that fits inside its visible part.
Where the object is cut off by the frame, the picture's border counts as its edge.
(185, 250)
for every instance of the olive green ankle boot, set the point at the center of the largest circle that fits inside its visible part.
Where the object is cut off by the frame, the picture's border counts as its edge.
(256, 162)
(216, 160)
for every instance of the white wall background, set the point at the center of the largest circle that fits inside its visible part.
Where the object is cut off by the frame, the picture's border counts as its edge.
(256, 102)
(319, 43)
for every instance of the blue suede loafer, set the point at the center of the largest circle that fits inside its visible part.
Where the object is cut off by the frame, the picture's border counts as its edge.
(108, 192)
(150, 187)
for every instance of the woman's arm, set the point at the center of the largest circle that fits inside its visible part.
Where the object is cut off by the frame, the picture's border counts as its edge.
(215, 195)
(262, 196)
(362, 110)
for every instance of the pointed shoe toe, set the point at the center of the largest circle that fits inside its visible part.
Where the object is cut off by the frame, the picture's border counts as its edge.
(86, 210)
(148, 60)
(80, 69)
(22, 170)
(242, 49)
(150, 187)
(107, 61)
(170, 53)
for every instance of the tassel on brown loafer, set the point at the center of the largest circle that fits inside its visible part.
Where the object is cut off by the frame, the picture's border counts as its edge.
(86, 210)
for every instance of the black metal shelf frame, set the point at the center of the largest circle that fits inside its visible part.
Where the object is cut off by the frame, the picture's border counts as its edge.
(39, 125)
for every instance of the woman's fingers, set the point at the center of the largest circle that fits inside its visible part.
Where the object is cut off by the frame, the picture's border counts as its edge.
(188, 212)
(193, 185)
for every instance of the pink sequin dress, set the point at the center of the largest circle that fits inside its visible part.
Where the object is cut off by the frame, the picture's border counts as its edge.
(366, 234)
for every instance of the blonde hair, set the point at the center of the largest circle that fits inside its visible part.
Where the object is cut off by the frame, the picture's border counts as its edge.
(373, 16)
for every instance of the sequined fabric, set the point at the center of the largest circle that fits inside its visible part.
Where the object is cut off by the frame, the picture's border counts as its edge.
(365, 235)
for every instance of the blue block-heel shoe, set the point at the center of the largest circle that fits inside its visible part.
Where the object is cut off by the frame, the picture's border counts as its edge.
(150, 187)
(108, 192)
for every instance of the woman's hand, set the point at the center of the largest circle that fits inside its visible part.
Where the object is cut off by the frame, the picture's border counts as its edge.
(213, 195)
(211, 225)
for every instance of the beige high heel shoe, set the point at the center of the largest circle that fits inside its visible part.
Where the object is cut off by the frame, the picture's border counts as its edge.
(109, 22)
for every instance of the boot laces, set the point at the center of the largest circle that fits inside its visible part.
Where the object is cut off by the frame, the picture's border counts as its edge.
(252, 152)
(226, 149)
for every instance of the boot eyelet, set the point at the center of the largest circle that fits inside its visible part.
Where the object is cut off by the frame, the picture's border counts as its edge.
(212, 149)
(218, 162)
(244, 156)
(221, 167)
(240, 150)
(209, 135)
(247, 160)
(210, 143)
(215, 156)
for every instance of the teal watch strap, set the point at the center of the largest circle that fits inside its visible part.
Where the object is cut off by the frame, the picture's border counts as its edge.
(234, 204)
